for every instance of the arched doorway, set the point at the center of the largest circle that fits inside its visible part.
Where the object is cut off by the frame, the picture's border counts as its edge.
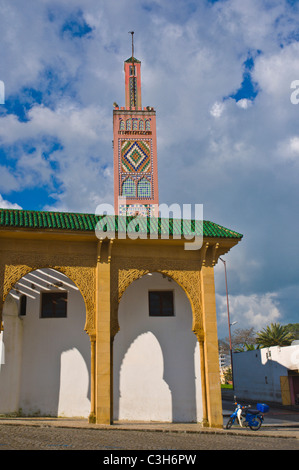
(156, 363)
(46, 370)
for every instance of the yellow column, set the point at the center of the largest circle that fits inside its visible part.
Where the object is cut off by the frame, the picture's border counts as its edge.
(92, 416)
(213, 390)
(103, 363)
(2, 280)
(205, 421)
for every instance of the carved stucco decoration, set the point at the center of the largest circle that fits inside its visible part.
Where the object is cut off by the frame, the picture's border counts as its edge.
(14, 268)
(125, 271)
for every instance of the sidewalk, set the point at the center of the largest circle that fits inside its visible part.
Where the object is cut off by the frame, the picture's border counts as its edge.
(286, 430)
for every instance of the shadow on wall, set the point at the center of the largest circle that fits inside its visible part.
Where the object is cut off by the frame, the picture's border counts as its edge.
(156, 359)
(47, 360)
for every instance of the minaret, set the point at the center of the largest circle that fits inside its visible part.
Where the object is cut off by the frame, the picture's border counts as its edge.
(135, 149)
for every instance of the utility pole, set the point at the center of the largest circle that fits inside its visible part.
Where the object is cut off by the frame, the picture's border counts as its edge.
(229, 323)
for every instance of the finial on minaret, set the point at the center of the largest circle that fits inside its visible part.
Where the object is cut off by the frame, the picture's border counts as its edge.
(133, 72)
(132, 33)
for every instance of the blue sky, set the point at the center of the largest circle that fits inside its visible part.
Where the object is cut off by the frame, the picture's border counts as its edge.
(219, 75)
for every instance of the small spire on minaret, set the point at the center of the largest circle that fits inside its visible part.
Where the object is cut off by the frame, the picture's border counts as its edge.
(133, 103)
(132, 33)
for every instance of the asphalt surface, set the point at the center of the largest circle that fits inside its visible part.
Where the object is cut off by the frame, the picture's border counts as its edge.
(114, 441)
(280, 431)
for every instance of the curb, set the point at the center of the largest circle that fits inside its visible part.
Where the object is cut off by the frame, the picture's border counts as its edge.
(288, 433)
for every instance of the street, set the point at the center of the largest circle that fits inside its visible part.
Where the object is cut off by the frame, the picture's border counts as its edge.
(280, 431)
(14, 437)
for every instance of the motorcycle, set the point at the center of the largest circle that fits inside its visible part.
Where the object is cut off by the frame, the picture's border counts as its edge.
(248, 417)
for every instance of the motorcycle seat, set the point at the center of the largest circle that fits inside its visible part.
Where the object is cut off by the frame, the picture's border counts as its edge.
(253, 412)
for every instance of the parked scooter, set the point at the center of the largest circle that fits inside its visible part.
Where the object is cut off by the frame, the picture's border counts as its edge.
(248, 417)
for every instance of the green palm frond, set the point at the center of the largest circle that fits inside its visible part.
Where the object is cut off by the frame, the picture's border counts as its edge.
(274, 335)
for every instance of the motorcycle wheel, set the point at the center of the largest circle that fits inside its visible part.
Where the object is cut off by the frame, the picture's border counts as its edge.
(255, 423)
(229, 423)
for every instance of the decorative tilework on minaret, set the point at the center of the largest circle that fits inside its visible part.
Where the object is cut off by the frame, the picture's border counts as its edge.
(135, 149)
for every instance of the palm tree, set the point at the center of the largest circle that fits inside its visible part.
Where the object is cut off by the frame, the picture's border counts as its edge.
(247, 347)
(274, 335)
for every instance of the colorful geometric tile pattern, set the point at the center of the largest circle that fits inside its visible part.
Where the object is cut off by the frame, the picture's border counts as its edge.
(145, 210)
(135, 156)
(144, 188)
(129, 188)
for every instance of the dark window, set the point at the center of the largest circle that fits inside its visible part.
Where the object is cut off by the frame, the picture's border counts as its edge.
(161, 303)
(23, 305)
(54, 305)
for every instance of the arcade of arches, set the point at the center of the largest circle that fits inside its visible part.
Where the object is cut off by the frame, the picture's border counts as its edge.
(102, 270)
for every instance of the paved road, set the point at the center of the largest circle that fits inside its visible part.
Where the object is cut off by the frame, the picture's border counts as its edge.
(280, 431)
(13, 437)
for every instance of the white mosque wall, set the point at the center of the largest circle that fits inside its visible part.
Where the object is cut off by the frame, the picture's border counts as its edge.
(45, 362)
(11, 353)
(45, 366)
(156, 372)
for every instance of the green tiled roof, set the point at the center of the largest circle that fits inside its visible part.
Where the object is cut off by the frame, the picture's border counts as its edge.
(13, 218)
(24, 219)
(130, 60)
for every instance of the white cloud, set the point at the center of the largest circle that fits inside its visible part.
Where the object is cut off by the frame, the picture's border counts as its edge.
(4, 204)
(256, 310)
(81, 163)
(244, 103)
(217, 109)
(294, 145)
(276, 71)
(288, 150)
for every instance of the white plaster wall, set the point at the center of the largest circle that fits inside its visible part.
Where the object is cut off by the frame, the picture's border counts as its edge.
(54, 358)
(11, 354)
(156, 372)
(257, 373)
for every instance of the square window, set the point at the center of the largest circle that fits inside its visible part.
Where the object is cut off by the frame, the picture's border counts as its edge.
(54, 305)
(161, 303)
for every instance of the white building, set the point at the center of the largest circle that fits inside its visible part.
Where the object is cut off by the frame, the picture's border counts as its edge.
(268, 374)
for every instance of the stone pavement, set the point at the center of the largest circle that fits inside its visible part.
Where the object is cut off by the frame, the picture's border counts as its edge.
(287, 429)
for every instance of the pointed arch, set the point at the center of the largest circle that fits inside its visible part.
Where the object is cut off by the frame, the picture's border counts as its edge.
(46, 353)
(149, 352)
(188, 278)
(76, 270)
